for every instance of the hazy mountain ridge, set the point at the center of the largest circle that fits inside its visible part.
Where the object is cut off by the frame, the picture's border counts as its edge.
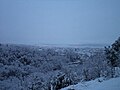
(74, 45)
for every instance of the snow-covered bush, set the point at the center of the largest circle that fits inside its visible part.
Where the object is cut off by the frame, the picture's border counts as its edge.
(59, 82)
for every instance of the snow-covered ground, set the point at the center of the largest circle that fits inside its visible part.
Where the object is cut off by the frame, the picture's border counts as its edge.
(38, 68)
(97, 84)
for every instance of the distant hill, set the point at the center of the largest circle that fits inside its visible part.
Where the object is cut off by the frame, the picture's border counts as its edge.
(75, 45)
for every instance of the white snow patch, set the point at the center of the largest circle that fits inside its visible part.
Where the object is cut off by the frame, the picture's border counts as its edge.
(98, 84)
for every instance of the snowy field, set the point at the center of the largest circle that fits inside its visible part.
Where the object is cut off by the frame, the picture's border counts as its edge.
(97, 84)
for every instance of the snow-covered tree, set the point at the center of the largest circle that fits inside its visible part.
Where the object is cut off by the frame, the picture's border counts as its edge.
(113, 55)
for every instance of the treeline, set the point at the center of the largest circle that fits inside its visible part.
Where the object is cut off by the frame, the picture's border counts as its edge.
(44, 68)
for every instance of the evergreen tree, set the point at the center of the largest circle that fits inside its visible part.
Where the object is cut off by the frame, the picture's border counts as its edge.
(113, 53)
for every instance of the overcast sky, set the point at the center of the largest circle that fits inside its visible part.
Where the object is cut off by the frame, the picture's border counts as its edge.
(59, 21)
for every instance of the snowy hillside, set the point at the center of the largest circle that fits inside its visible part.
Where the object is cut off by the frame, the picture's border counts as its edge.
(25, 67)
(97, 84)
